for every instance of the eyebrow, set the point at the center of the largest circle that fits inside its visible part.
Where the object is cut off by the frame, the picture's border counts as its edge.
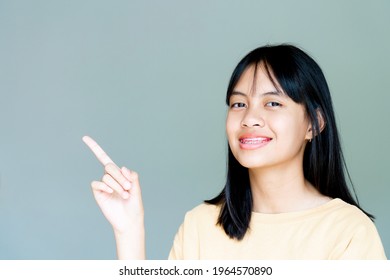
(272, 93)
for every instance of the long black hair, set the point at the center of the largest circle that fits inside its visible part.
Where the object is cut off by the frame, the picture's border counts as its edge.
(301, 78)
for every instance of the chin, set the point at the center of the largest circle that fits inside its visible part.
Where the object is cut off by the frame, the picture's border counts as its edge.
(251, 163)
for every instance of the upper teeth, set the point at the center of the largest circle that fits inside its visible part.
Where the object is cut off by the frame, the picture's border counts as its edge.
(253, 140)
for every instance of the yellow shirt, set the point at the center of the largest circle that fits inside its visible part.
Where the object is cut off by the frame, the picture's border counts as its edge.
(334, 230)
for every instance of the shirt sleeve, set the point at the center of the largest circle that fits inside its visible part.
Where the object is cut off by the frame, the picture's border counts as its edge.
(364, 244)
(186, 243)
(176, 252)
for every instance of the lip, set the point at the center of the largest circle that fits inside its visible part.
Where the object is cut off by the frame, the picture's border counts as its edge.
(252, 141)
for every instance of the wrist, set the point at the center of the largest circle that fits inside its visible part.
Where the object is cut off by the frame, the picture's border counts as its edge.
(130, 243)
(135, 226)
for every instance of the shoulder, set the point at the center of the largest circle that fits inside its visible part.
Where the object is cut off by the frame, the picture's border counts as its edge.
(347, 217)
(203, 213)
(357, 236)
(204, 208)
(348, 213)
(199, 224)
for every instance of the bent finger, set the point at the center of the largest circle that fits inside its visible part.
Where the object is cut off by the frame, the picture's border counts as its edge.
(132, 177)
(100, 186)
(112, 183)
(117, 174)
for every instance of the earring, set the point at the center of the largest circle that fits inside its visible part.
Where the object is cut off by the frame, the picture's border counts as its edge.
(310, 140)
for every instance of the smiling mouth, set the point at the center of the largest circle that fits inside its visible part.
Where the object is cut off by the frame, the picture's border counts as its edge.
(254, 141)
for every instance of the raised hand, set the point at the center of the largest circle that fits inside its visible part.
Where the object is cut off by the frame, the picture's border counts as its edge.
(118, 195)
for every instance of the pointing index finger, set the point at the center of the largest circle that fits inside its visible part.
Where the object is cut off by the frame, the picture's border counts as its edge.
(97, 150)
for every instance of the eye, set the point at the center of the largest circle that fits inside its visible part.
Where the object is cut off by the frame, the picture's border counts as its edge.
(238, 105)
(273, 104)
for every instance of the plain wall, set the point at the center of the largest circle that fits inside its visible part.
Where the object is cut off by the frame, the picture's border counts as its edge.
(147, 80)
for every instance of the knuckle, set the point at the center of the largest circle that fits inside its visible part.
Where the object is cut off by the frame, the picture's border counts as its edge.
(106, 178)
(109, 167)
(95, 184)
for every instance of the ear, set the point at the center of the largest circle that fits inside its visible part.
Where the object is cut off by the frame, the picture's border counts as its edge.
(321, 122)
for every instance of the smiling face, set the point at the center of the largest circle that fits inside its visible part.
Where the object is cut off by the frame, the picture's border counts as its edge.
(265, 127)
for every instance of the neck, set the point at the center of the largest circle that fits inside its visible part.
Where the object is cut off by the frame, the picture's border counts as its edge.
(282, 190)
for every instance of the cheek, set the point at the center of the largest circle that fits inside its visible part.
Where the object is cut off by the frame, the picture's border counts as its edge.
(289, 127)
(229, 124)
(280, 125)
(232, 126)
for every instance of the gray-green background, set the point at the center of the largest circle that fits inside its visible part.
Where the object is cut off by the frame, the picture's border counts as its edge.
(147, 80)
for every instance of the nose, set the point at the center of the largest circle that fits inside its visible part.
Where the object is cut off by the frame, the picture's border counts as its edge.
(252, 119)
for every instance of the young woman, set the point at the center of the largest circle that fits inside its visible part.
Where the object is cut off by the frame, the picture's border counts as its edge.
(286, 195)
